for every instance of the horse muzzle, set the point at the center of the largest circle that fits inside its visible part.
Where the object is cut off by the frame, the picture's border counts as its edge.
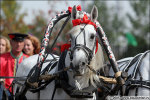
(79, 58)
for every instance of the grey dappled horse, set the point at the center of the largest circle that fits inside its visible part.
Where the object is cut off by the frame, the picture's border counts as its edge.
(80, 56)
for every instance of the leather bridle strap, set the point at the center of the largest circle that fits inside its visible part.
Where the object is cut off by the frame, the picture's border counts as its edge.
(82, 30)
(88, 52)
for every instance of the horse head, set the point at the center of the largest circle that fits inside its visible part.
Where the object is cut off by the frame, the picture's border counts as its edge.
(85, 50)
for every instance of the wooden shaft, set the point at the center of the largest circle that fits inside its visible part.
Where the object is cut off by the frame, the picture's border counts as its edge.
(108, 80)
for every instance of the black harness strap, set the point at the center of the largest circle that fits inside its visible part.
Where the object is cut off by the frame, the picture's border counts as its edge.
(82, 29)
(49, 67)
(61, 65)
(136, 70)
(44, 84)
(23, 78)
(132, 62)
(72, 92)
(63, 75)
(53, 93)
(138, 65)
(138, 83)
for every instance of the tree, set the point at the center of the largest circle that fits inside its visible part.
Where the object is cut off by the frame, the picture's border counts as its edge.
(10, 19)
(139, 20)
(38, 26)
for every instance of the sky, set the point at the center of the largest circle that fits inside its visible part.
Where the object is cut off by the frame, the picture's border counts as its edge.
(30, 6)
(33, 6)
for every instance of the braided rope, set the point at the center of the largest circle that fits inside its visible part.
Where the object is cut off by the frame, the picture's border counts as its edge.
(48, 33)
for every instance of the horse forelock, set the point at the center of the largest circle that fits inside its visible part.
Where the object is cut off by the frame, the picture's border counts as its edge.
(76, 29)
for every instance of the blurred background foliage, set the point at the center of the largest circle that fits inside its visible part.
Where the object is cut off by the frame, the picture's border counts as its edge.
(126, 39)
(10, 19)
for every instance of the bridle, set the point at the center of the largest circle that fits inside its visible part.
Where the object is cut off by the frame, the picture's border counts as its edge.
(89, 52)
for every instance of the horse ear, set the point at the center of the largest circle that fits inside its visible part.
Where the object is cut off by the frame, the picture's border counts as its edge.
(74, 12)
(94, 13)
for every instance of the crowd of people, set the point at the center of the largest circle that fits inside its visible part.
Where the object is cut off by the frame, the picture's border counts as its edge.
(12, 53)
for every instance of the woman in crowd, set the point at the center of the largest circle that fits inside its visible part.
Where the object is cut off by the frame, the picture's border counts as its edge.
(4, 45)
(31, 46)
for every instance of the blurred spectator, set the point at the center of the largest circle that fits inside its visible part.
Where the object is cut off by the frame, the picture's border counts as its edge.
(32, 45)
(10, 61)
(4, 45)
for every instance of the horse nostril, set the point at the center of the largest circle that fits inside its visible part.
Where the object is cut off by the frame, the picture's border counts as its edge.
(78, 49)
(83, 63)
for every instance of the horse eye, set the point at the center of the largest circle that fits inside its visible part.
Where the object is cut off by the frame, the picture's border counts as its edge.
(92, 36)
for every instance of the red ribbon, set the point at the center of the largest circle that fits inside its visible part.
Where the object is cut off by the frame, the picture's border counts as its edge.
(78, 8)
(65, 47)
(84, 20)
(96, 46)
(76, 22)
(11, 36)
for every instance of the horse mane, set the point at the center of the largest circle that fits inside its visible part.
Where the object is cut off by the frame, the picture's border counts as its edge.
(96, 64)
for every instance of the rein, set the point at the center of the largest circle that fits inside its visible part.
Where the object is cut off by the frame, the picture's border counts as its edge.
(23, 78)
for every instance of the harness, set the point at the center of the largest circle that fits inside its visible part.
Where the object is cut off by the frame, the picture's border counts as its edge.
(62, 82)
(132, 82)
(34, 88)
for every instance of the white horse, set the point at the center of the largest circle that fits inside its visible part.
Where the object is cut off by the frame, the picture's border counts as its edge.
(80, 57)
(138, 69)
